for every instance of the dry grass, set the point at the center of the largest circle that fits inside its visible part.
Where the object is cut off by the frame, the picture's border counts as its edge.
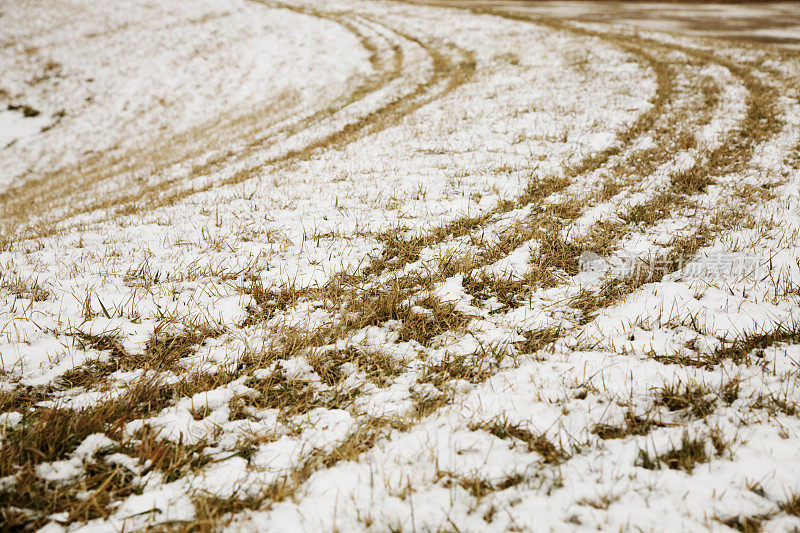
(478, 488)
(162, 353)
(691, 398)
(538, 340)
(792, 505)
(447, 75)
(750, 348)
(55, 191)
(379, 367)
(374, 297)
(776, 404)
(633, 426)
(28, 289)
(504, 429)
(455, 367)
(746, 524)
(686, 456)
(213, 511)
(291, 397)
(52, 434)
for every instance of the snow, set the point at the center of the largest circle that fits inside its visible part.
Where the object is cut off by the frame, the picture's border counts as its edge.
(16, 126)
(73, 467)
(200, 110)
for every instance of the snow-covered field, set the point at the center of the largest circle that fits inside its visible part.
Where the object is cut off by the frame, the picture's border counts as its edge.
(387, 266)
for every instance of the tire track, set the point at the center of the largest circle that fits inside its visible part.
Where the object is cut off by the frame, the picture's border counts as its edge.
(451, 68)
(365, 438)
(448, 73)
(342, 286)
(728, 157)
(400, 251)
(734, 154)
(725, 159)
(343, 290)
(51, 190)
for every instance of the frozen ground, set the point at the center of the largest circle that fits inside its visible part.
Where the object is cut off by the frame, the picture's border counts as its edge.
(362, 265)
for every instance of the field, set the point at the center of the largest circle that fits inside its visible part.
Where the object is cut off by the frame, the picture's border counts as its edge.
(399, 266)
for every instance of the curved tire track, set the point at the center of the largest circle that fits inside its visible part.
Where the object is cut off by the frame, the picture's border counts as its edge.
(51, 196)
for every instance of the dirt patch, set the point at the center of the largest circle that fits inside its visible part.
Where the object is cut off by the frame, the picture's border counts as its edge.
(759, 22)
